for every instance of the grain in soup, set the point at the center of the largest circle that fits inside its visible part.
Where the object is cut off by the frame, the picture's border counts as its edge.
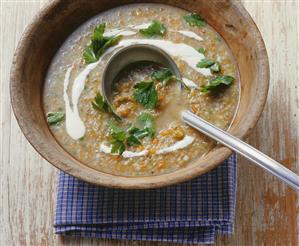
(151, 139)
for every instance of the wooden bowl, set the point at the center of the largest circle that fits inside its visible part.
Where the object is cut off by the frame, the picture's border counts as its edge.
(60, 18)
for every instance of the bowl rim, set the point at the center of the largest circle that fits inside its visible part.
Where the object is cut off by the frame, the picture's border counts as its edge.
(88, 174)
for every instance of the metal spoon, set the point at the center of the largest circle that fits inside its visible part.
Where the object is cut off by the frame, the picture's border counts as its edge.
(138, 53)
(242, 148)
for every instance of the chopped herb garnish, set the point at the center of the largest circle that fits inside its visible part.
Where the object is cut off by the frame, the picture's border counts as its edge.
(89, 55)
(145, 91)
(118, 147)
(119, 138)
(132, 129)
(164, 75)
(215, 67)
(99, 103)
(156, 28)
(205, 63)
(208, 63)
(99, 44)
(132, 140)
(116, 133)
(140, 134)
(194, 19)
(201, 50)
(144, 127)
(216, 82)
(146, 94)
(145, 121)
(55, 117)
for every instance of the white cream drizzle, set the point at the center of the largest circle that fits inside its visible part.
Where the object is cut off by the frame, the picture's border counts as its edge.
(187, 140)
(129, 154)
(141, 26)
(125, 32)
(73, 123)
(189, 83)
(180, 50)
(190, 35)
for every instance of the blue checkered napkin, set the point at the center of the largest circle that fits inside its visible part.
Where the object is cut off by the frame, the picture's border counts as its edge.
(191, 212)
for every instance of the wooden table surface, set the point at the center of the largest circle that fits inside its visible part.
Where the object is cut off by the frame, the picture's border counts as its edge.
(267, 210)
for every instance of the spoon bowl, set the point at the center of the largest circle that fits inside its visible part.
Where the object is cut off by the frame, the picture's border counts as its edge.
(129, 55)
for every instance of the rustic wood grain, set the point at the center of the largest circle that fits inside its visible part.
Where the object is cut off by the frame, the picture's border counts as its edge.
(267, 211)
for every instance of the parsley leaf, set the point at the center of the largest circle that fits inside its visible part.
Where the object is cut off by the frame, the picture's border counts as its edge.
(132, 129)
(143, 127)
(201, 50)
(89, 55)
(215, 67)
(118, 137)
(164, 75)
(133, 140)
(194, 19)
(156, 28)
(207, 63)
(216, 82)
(118, 147)
(140, 134)
(146, 94)
(136, 132)
(55, 117)
(145, 122)
(98, 32)
(99, 44)
(116, 133)
(145, 91)
(110, 42)
(99, 103)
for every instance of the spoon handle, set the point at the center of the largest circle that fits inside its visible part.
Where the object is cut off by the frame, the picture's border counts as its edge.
(242, 148)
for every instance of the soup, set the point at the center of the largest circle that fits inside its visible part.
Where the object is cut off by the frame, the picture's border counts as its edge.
(150, 138)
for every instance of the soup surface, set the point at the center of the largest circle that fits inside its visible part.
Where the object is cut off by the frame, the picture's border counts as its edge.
(150, 139)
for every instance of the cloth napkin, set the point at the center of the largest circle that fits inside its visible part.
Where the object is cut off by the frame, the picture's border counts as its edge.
(190, 212)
